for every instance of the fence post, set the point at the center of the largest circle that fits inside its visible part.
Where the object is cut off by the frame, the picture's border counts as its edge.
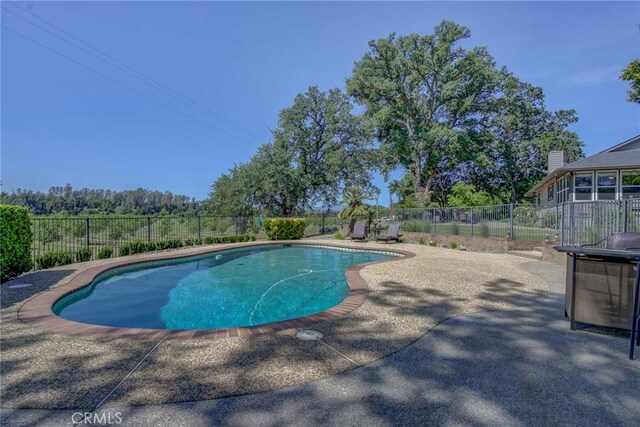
(562, 226)
(433, 219)
(86, 231)
(511, 221)
(235, 224)
(572, 213)
(471, 222)
(556, 222)
(148, 229)
(625, 216)
(199, 227)
(322, 229)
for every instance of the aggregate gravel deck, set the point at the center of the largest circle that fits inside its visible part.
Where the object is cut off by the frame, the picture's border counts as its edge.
(44, 370)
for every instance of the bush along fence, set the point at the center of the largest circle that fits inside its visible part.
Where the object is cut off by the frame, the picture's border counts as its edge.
(515, 222)
(285, 228)
(54, 259)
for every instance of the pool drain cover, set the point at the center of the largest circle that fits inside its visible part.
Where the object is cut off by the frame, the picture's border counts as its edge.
(308, 335)
(20, 285)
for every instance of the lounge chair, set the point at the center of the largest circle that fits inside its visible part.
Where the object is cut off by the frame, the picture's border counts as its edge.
(358, 232)
(393, 233)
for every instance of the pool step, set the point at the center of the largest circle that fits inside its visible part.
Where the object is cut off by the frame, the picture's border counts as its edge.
(537, 255)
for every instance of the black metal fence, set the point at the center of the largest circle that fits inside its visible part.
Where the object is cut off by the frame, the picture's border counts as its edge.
(57, 234)
(592, 221)
(524, 222)
(573, 223)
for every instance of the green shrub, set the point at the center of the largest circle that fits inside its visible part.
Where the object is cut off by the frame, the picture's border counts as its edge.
(46, 260)
(285, 228)
(15, 241)
(197, 241)
(453, 245)
(65, 258)
(188, 242)
(133, 247)
(209, 240)
(123, 249)
(138, 247)
(455, 228)
(339, 236)
(416, 226)
(83, 254)
(484, 230)
(422, 241)
(432, 243)
(53, 259)
(105, 252)
(152, 246)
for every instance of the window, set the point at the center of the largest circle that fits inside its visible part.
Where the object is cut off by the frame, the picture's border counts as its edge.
(607, 184)
(583, 184)
(563, 190)
(631, 184)
(550, 193)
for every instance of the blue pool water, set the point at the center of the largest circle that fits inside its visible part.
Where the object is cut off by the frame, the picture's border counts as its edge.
(241, 287)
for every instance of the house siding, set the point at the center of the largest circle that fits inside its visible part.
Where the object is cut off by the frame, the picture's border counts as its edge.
(543, 193)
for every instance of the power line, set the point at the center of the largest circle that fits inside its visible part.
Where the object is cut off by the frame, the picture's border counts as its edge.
(129, 70)
(125, 85)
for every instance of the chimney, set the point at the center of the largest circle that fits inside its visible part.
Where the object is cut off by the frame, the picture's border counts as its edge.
(556, 160)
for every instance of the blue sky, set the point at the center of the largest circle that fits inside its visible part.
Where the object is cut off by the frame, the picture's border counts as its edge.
(245, 62)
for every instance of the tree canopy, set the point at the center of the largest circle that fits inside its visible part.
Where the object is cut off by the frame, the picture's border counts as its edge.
(516, 135)
(66, 200)
(318, 149)
(424, 94)
(463, 195)
(445, 114)
(632, 74)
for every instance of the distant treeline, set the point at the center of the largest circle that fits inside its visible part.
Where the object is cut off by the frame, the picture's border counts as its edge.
(66, 200)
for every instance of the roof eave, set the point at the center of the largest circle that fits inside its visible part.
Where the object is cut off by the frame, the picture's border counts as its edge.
(545, 180)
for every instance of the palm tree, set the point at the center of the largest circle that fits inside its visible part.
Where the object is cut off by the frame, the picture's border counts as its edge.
(355, 208)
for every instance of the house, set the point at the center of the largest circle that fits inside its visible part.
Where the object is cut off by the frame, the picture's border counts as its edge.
(613, 174)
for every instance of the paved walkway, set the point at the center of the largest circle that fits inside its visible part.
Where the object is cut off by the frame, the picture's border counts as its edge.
(515, 366)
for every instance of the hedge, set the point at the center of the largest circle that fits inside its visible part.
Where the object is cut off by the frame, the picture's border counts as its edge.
(15, 241)
(54, 259)
(285, 228)
(139, 246)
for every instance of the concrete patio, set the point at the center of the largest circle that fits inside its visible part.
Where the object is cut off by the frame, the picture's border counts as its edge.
(445, 338)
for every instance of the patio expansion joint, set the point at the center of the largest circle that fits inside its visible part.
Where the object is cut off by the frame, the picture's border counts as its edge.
(108, 395)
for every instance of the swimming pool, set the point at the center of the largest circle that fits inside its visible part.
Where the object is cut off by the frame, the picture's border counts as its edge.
(233, 288)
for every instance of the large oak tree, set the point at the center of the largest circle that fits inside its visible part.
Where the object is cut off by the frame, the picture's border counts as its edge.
(515, 138)
(319, 148)
(424, 93)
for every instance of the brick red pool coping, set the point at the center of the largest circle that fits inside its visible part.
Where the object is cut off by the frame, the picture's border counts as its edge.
(38, 311)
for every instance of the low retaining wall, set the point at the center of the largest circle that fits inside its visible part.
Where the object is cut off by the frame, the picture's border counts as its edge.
(475, 243)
